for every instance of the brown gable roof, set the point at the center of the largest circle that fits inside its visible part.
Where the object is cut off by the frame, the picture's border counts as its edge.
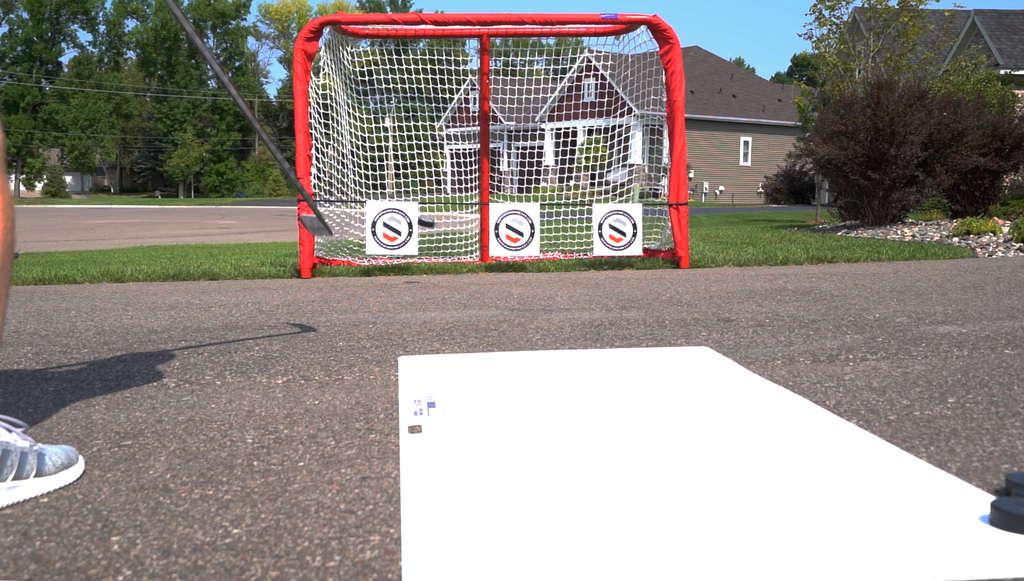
(639, 77)
(717, 88)
(520, 100)
(714, 88)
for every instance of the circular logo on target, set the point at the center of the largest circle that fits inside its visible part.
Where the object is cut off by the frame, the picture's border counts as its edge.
(617, 230)
(391, 229)
(514, 230)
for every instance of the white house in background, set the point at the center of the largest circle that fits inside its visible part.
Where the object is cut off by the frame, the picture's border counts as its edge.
(540, 125)
(78, 183)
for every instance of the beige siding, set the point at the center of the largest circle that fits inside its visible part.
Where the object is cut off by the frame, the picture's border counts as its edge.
(713, 151)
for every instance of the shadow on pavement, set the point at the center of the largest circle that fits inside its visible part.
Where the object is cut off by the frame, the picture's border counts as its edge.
(33, 395)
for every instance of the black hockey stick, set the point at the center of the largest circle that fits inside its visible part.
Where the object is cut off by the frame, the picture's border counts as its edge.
(316, 224)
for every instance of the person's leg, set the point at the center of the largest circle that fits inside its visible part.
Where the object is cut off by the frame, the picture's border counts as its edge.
(6, 234)
(27, 469)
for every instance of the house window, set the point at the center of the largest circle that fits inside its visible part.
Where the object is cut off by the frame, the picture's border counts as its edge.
(589, 90)
(745, 146)
(654, 145)
(474, 101)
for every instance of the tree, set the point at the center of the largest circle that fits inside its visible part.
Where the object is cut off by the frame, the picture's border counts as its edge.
(895, 39)
(261, 177)
(870, 146)
(891, 123)
(592, 157)
(187, 160)
(886, 148)
(738, 61)
(277, 26)
(35, 35)
(793, 183)
(977, 140)
(386, 6)
(802, 70)
(203, 109)
(55, 186)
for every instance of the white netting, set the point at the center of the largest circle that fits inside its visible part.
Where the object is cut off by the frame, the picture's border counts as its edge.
(574, 121)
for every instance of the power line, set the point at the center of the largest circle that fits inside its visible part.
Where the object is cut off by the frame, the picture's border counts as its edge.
(137, 149)
(207, 98)
(150, 87)
(129, 136)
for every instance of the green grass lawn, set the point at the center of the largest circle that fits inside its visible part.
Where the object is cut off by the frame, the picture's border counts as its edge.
(716, 240)
(761, 239)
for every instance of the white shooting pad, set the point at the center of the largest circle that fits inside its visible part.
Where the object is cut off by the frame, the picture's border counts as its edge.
(671, 463)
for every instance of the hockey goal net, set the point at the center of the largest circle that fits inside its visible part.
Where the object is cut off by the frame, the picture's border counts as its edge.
(454, 117)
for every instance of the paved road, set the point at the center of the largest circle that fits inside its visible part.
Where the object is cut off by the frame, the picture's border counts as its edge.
(247, 429)
(50, 228)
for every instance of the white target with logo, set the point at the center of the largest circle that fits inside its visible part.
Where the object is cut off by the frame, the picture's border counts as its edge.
(391, 228)
(515, 229)
(618, 229)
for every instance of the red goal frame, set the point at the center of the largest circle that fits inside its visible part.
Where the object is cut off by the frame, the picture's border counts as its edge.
(484, 27)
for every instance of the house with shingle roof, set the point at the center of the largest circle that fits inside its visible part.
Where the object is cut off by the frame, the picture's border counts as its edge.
(541, 123)
(739, 126)
(998, 35)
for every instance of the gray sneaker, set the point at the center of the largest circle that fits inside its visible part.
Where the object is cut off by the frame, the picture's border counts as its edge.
(28, 469)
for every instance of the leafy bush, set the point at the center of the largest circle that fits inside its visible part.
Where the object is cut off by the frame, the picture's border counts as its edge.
(974, 142)
(55, 186)
(1006, 209)
(262, 178)
(870, 147)
(792, 184)
(933, 209)
(885, 147)
(976, 227)
(1017, 230)
(222, 179)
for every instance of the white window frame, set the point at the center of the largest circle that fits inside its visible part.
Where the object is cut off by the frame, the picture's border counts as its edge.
(748, 143)
(474, 101)
(589, 89)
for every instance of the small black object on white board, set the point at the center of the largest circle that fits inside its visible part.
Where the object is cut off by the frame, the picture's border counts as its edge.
(1007, 513)
(1015, 484)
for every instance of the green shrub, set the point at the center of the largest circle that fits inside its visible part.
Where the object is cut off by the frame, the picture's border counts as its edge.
(933, 209)
(1006, 209)
(262, 178)
(55, 186)
(976, 227)
(1017, 230)
(792, 184)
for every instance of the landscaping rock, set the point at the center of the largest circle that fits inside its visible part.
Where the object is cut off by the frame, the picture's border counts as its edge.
(940, 231)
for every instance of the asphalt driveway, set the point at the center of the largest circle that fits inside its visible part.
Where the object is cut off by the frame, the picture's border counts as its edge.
(248, 430)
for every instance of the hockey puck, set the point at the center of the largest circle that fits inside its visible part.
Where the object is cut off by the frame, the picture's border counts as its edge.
(1007, 513)
(1015, 484)
(426, 221)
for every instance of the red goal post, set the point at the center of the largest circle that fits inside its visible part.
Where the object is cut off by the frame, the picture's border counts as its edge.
(485, 29)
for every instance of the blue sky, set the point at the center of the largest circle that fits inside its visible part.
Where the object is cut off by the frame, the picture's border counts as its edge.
(764, 33)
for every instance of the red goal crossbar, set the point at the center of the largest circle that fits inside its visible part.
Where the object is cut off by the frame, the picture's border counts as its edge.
(485, 27)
